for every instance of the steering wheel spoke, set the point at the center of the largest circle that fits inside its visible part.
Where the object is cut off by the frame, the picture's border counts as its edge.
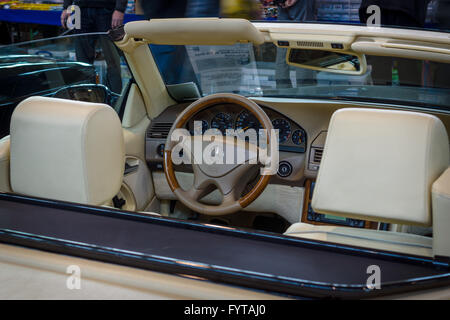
(235, 179)
(229, 199)
(198, 193)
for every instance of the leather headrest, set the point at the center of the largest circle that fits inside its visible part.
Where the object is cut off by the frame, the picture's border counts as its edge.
(379, 165)
(66, 150)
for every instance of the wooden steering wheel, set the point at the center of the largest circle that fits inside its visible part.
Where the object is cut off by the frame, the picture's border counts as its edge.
(227, 178)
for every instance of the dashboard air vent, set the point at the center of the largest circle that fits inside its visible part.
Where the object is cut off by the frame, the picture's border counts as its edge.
(159, 130)
(317, 155)
(315, 158)
(314, 44)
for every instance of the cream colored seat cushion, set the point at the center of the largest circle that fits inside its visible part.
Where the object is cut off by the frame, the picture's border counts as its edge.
(441, 215)
(379, 165)
(382, 240)
(66, 150)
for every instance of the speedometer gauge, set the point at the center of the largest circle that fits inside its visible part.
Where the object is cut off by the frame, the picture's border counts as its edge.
(222, 121)
(245, 120)
(284, 128)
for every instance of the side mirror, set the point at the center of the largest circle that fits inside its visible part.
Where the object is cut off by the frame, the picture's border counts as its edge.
(97, 93)
(327, 61)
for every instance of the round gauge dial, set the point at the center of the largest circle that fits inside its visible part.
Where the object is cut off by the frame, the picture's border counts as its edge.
(284, 128)
(204, 123)
(245, 120)
(298, 137)
(222, 121)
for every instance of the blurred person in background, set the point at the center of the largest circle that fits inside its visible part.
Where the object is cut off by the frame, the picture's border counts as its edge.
(245, 9)
(160, 9)
(172, 61)
(443, 14)
(296, 10)
(293, 10)
(439, 76)
(98, 16)
(203, 8)
(404, 13)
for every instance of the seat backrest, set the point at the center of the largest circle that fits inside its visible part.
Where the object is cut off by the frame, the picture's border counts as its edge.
(441, 215)
(66, 150)
(5, 186)
(379, 165)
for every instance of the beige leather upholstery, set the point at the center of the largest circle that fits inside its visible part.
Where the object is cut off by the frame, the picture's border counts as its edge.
(66, 150)
(35, 274)
(373, 239)
(195, 31)
(5, 185)
(441, 215)
(379, 165)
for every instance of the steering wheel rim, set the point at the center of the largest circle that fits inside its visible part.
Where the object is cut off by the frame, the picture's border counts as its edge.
(187, 197)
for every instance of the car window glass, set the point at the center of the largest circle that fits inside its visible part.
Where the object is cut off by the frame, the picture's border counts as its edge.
(80, 67)
(262, 71)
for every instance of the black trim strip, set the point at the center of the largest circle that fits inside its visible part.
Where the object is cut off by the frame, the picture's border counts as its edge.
(236, 232)
(439, 271)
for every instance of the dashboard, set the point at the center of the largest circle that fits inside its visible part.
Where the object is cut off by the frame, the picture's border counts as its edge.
(294, 145)
(301, 146)
(291, 136)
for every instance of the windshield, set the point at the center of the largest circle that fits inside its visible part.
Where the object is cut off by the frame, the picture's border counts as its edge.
(263, 71)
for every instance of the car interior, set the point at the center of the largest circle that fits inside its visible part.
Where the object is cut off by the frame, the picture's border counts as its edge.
(353, 173)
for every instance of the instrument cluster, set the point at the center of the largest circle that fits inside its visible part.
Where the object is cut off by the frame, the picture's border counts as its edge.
(291, 136)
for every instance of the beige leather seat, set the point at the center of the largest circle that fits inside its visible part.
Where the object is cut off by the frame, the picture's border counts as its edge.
(380, 165)
(66, 150)
(5, 186)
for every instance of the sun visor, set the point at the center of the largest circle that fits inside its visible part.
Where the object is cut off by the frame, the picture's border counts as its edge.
(195, 31)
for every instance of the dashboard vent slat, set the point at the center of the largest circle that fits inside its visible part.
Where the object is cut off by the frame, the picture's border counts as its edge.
(159, 130)
(315, 158)
(317, 155)
(314, 44)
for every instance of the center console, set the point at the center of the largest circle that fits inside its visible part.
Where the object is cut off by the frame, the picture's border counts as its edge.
(311, 217)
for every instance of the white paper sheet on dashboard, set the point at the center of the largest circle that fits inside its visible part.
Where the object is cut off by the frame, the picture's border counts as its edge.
(225, 68)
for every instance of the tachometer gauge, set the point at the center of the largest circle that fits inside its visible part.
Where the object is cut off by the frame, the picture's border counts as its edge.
(298, 137)
(245, 120)
(284, 128)
(222, 121)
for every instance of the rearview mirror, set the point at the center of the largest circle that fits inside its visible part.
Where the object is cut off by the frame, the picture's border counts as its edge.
(328, 61)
